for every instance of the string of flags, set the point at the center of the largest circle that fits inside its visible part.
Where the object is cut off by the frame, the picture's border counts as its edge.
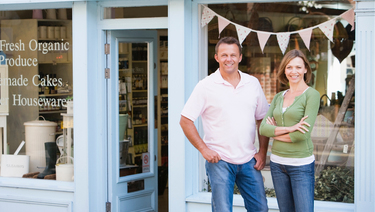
(282, 37)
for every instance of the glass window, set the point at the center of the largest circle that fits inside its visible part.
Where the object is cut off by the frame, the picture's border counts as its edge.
(333, 69)
(133, 108)
(36, 108)
(135, 12)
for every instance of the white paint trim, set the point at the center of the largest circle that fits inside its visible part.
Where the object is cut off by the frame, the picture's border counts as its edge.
(176, 89)
(364, 185)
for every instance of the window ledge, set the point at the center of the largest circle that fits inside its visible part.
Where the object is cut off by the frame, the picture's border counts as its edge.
(205, 198)
(37, 184)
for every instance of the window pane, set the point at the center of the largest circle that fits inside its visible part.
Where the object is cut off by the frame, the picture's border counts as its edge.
(135, 12)
(36, 94)
(333, 68)
(133, 94)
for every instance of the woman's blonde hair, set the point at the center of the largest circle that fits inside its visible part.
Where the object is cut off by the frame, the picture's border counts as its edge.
(286, 59)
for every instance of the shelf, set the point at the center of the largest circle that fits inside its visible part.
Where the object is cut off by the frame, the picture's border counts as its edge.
(139, 61)
(139, 125)
(139, 106)
(51, 111)
(138, 91)
(127, 69)
(49, 63)
(53, 39)
(57, 94)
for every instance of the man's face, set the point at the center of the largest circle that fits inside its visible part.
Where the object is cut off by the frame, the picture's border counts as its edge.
(228, 56)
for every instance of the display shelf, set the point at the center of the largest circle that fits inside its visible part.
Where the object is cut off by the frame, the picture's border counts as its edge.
(140, 125)
(51, 111)
(55, 95)
(53, 63)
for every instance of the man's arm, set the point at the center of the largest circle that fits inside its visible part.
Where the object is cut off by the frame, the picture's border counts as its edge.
(260, 157)
(192, 135)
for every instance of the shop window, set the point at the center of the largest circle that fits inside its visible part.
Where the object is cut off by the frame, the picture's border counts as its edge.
(36, 108)
(333, 69)
(135, 12)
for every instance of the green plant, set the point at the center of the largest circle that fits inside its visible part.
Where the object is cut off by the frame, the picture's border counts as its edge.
(335, 184)
(270, 192)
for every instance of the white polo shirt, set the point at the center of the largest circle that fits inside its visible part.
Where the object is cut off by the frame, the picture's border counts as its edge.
(228, 115)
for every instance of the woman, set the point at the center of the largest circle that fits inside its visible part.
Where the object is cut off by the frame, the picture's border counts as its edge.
(289, 121)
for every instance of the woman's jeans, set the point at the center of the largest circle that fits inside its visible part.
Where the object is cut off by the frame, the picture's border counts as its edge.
(294, 187)
(223, 175)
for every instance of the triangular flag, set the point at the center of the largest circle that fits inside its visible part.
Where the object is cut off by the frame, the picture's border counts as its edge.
(306, 36)
(263, 38)
(207, 16)
(222, 23)
(327, 28)
(349, 17)
(242, 32)
(283, 40)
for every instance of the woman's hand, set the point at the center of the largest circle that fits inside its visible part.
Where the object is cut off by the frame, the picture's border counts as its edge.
(271, 121)
(300, 126)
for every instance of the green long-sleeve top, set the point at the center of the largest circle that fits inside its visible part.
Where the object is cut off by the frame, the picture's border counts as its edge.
(306, 104)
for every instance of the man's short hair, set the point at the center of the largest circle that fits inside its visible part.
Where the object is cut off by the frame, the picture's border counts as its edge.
(228, 40)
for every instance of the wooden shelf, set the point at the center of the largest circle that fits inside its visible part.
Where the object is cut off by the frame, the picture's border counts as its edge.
(140, 125)
(51, 111)
(56, 94)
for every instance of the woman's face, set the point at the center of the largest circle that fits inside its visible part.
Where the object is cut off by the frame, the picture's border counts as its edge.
(295, 71)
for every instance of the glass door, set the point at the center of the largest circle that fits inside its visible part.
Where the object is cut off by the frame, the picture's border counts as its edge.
(132, 155)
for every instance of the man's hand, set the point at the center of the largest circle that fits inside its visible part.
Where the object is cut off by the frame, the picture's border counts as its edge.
(260, 161)
(210, 155)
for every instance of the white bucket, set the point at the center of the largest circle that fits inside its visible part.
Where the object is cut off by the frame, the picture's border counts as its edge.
(64, 171)
(38, 132)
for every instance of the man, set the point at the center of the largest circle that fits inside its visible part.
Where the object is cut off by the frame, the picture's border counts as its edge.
(232, 105)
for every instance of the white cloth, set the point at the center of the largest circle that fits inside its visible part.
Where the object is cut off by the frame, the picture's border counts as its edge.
(228, 114)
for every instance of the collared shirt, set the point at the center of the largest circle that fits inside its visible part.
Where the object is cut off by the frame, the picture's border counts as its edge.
(228, 114)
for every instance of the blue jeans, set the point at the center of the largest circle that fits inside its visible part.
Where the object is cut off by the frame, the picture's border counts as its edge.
(223, 175)
(294, 187)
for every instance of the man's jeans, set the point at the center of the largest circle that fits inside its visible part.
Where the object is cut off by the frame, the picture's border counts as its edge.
(223, 175)
(294, 187)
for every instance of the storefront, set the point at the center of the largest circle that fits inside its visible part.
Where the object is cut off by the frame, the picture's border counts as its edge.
(131, 65)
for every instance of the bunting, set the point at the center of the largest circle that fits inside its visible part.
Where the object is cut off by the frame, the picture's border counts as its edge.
(306, 37)
(242, 32)
(207, 16)
(327, 28)
(263, 38)
(222, 23)
(283, 38)
(349, 17)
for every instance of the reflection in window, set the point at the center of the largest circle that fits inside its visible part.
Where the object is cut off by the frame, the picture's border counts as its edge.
(36, 73)
(333, 69)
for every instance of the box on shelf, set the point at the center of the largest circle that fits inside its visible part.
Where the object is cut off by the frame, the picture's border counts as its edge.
(14, 165)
